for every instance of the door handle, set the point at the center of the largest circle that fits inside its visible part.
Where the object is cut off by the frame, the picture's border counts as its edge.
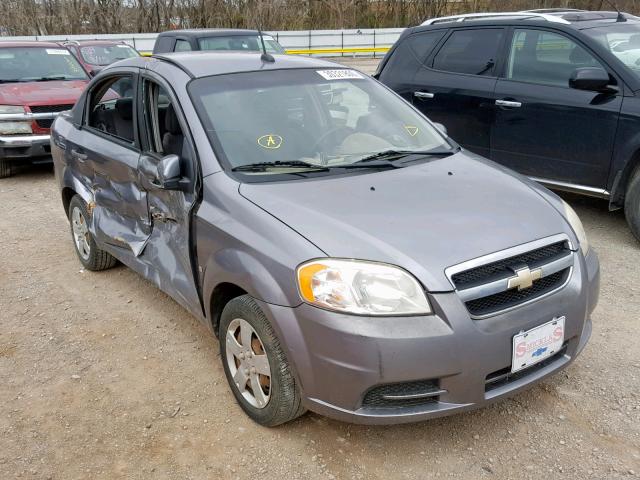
(423, 94)
(79, 155)
(508, 103)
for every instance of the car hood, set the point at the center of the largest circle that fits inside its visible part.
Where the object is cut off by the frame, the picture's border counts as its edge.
(58, 92)
(423, 218)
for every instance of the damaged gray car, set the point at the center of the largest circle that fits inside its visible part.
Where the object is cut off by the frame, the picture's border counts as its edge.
(351, 259)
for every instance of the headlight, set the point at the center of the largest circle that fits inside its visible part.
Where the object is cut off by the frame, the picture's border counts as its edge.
(12, 127)
(362, 288)
(576, 225)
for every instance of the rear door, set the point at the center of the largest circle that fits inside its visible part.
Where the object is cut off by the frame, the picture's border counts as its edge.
(104, 153)
(456, 87)
(544, 128)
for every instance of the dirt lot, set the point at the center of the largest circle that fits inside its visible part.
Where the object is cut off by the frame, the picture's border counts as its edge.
(103, 376)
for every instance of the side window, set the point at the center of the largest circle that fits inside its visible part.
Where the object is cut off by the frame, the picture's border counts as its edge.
(165, 44)
(182, 46)
(161, 121)
(421, 44)
(111, 107)
(470, 51)
(546, 58)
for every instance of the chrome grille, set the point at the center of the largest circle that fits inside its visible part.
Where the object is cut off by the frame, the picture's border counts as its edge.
(505, 280)
(46, 123)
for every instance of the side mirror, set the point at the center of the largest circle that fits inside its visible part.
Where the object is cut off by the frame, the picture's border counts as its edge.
(593, 79)
(442, 128)
(93, 72)
(163, 173)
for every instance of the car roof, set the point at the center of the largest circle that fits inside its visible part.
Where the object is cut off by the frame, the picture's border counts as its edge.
(574, 19)
(208, 32)
(30, 43)
(207, 63)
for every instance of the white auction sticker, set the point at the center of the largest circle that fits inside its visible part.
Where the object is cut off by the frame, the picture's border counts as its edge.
(341, 74)
(122, 46)
(57, 51)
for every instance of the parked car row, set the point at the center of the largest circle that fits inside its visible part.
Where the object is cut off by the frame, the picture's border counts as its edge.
(38, 80)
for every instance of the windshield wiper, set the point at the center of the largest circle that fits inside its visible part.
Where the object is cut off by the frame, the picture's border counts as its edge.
(263, 166)
(51, 78)
(396, 154)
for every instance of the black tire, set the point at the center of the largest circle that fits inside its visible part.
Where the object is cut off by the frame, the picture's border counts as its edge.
(632, 204)
(285, 403)
(96, 259)
(6, 169)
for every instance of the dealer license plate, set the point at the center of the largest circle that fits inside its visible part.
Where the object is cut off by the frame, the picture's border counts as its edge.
(535, 345)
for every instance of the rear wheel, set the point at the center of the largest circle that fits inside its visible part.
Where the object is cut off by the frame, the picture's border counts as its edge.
(91, 257)
(255, 365)
(632, 204)
(5, 168)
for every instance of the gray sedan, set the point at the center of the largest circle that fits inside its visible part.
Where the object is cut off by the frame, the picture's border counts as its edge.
(351, 258)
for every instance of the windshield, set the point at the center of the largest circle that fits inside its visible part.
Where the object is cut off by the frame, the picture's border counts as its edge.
(28, 64)
(621, 39)
(317, 117)
(249, 43)
(106, 54)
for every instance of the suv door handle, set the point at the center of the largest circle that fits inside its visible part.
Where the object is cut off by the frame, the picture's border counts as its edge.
(508, 103)
(423, 94)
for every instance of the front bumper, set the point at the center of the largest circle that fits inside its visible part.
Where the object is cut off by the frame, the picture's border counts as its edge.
(339, 358)
(22, 147)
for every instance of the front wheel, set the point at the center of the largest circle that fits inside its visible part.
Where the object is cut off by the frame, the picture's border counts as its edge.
(632, 204)
(255, 365)
(91, 257)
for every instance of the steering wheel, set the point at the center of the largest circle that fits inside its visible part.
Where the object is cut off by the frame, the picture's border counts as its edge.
(346, 131)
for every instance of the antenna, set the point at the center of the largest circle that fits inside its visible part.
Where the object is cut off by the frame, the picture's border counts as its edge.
(265, 57)
(621, 17)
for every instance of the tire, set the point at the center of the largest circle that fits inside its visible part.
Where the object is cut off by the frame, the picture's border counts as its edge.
(6, 169)
(632, 204)
(283, 400)
(91, 257)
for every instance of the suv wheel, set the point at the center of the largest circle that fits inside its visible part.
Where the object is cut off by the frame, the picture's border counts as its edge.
(5, 168)
(255, 365)
(632, 203)
(91, 257)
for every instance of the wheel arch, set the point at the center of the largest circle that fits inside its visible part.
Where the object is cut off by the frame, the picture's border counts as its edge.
(221, 295)
(622, 179)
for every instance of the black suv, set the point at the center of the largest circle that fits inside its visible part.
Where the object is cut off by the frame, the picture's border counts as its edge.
(553, 94)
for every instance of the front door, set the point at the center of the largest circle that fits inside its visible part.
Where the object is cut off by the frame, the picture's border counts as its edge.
(544, 128)
(456, 88)
(169, 253)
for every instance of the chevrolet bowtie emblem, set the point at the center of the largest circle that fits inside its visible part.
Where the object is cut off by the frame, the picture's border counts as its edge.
(524, 278)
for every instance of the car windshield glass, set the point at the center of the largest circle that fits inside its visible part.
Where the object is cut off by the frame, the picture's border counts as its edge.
(25, 64)
(249, 43)
(106, 54)
(622, 40)
(320, 118)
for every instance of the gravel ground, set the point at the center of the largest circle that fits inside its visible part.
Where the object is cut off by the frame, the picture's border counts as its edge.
(103, 376)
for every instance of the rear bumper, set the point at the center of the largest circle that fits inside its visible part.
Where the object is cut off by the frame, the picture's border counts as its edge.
(24, 147)
(339, 358)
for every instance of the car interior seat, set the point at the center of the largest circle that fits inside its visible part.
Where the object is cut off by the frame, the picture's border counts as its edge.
(173, 139)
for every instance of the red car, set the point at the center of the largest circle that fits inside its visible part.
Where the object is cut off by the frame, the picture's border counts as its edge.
(38, 80)
(94, 55)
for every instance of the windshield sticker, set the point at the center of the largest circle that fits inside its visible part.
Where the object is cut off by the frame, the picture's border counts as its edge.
(270, 141)
(57, 51)
(122, 46)
(341, 74)
(411, 130)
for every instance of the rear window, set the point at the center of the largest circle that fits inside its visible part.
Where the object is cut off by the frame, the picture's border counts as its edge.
(28, 64)
(106, 54)
(470, 51)
(250, 43)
